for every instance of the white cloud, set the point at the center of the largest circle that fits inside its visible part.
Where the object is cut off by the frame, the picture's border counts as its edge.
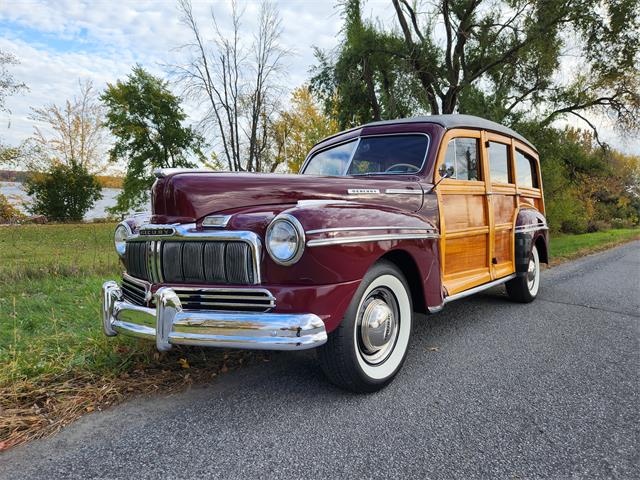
(62, 42)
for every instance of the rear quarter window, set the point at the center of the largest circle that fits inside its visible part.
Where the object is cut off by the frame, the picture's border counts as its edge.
(526, 170)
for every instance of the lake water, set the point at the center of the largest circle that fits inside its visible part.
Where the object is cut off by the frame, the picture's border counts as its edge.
(17, 196)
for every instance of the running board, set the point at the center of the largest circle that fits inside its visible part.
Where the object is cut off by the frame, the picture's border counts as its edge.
(479, 288)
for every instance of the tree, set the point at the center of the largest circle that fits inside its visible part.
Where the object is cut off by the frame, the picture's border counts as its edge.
(146, 119)
(299, 128)
(64, 193)
(367, 80)
(8, 86)
(63, 157)
(238, 81)
(507, 59)
(73, 133)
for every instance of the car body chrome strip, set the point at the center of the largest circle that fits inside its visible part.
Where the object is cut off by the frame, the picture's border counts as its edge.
(479, 288)
(357, 229)
(402, 191)
(320, 242)
(530, 228)
(165, 172)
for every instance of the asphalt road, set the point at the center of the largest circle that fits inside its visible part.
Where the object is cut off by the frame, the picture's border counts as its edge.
(490, 389)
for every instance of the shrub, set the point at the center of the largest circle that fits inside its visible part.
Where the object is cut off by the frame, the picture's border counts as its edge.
(64, 193)
(9, 213)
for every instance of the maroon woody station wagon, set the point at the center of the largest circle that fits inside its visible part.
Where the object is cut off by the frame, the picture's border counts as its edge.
(383, 220)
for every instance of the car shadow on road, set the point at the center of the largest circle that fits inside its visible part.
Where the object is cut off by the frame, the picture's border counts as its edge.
(296, 373)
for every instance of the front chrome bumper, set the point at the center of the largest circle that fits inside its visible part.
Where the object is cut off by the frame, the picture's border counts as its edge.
(168, 324)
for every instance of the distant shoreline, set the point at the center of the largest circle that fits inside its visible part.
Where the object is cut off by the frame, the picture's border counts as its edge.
(18, 197)
(20, 176)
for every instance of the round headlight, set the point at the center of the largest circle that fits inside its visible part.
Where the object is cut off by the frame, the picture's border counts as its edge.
(120, 238)
(285, 240)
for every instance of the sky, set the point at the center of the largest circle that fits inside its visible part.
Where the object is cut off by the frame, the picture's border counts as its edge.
(62, 42)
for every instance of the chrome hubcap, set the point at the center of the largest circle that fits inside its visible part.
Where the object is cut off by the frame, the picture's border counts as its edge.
(378, 321)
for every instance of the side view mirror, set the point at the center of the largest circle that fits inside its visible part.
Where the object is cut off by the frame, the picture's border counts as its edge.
(442, 177)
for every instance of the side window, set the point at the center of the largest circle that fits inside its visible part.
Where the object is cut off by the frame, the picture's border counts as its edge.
(499, 167)
(462, 160)
(526, 170)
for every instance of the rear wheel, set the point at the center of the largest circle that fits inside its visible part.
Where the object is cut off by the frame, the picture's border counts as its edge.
(525, 288)
(368, 348)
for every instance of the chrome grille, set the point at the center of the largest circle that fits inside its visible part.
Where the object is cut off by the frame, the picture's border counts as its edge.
(225, 262)
(226, 299)
(249, 300)
(134, 292)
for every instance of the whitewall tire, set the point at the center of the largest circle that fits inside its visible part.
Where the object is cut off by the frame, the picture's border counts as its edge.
(369, 347)
(525, 288)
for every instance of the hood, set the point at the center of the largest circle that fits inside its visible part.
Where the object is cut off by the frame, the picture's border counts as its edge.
(189, 196)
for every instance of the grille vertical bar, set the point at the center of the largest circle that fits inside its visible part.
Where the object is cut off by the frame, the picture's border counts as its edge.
(223, 262)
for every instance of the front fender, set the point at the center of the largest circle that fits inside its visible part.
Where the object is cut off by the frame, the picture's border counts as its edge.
(343, 240)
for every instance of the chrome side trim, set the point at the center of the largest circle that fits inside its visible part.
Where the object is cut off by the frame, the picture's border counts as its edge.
(355, 229)
(479, 288)
(402, 191)
(321, 242)
(319, 203)
(531, 228)
(165, 172)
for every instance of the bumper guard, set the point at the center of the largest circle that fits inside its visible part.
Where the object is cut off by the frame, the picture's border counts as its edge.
(168, 324)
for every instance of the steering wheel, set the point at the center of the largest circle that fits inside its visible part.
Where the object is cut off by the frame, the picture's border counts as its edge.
(409, 168)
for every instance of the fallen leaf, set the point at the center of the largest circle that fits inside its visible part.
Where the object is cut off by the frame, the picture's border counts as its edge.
(89, 408)
(183, 363)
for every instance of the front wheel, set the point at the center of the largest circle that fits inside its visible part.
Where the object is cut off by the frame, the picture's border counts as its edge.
(525, 288)
(368, 348)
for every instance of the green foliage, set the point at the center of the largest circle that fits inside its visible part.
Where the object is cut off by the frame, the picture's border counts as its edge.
(9, 213)
(298, 129)
(586, 188)
(501, 60)
(64, 192)
(146, 120)
(366, 81)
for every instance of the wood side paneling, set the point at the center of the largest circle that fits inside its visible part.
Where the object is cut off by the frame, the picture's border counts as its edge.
(466, 253)
(464, 211)
(503, 208)
(478, 217)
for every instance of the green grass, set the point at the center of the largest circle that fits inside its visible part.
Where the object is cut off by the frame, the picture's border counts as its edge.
(571, 246)
(53, 353)
(50, 326)
(50, 318)
(50, 278)
(45, 251)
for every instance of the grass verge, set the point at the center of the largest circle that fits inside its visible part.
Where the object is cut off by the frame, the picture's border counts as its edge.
(55, 363)
(568, 247)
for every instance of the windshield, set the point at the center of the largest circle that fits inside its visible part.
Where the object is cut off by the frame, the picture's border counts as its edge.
(388, 154)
